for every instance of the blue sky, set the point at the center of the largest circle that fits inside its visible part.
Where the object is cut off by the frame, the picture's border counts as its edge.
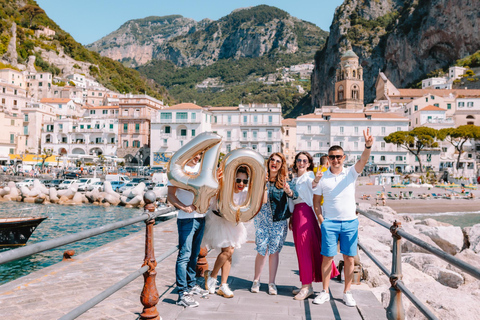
(89, 20)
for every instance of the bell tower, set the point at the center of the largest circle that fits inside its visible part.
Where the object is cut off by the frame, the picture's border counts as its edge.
(349, 82)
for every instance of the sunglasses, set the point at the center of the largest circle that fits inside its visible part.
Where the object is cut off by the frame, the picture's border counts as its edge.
(245, 181)
(276, 161)
(335, 156)
(302, 160)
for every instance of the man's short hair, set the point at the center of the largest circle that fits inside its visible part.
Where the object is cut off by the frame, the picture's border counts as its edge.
(335, 148)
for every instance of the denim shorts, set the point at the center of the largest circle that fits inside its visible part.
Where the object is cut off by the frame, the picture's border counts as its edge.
(345, 231)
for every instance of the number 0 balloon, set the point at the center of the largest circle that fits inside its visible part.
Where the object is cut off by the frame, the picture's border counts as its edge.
(243, 211)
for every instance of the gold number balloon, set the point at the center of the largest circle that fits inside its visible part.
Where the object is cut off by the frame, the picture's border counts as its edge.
(203, 184)
(243, 211)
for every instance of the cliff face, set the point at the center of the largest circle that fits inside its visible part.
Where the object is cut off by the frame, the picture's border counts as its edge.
(136, 40)
(249, 32)
(404, 39)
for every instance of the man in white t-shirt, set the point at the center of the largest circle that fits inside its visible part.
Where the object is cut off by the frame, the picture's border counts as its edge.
(339, 221)
(191, 225)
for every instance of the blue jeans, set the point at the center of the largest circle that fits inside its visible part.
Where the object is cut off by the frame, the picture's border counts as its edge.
(190, 234)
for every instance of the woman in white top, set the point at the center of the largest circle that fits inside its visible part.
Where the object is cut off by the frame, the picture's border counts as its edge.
(304, 224)
(225, 235)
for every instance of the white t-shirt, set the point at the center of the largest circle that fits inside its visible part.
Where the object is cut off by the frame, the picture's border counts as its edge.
(339, 194)
(186, 197)
(304, 188)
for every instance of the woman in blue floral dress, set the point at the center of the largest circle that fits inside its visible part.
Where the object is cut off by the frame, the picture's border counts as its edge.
(271, 222)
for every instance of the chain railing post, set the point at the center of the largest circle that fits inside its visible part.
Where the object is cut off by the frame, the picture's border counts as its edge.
(395, 309)
(149, 296)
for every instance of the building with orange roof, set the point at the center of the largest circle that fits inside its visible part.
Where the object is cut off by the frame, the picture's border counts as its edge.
(431, 116)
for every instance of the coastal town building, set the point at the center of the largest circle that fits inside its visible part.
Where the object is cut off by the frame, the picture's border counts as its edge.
(289, 140)
(174, 126)
(432, 117)
(94, 134)
(134, 118)
(467, 111)
(445, 82)
(12, 98)
(256, 126)
(35, 114)
(12, 139)
(318, 131)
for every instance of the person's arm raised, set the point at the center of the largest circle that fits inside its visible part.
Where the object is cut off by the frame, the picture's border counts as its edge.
(366, 152)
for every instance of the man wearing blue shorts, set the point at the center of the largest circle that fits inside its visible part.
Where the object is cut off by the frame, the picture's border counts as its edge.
(339, 221)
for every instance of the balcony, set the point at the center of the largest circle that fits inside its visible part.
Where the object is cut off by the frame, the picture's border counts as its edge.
(179, 121)
(7, 141)
(182, 137)
(259, 124)
(165, 135)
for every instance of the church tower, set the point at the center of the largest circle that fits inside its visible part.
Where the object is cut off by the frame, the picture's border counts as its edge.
(349, 82)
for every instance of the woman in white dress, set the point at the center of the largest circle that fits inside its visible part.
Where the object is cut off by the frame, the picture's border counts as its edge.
(227, 236)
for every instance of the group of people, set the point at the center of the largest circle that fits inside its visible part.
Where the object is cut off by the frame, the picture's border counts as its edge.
(319, 208)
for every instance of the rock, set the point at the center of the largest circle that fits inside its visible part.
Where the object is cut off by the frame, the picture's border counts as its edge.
(474, 238)
(29, 200)
(446, 277)
(420, 260)
(433, 223)
(408, 246)
(77, 198)
(64, 199)
(128, 206)
(450, 239)
(112, 199)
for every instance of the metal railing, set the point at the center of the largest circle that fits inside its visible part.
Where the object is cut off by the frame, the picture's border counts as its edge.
(395, 307)
(149, 296)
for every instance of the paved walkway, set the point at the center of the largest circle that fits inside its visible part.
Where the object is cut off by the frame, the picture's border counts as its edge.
(56, 290)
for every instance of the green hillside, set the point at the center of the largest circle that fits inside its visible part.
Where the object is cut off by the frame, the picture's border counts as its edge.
(238, 78)
(111, 74)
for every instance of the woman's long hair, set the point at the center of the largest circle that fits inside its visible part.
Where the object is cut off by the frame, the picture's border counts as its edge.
(281, 177)
(310, 160)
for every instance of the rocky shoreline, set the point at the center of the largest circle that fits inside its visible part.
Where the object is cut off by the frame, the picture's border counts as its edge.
(449, 292)
(132, 198)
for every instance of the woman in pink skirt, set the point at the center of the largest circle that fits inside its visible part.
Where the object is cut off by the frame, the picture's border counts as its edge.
(304, 224)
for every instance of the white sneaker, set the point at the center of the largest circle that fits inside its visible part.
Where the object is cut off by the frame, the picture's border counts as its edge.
(210, 283)
(225, 291)
(255, 286)
(272, 289)
(322, 297)
(348, 299)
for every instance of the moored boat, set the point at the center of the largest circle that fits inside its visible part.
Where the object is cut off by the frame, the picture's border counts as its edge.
(15, 231)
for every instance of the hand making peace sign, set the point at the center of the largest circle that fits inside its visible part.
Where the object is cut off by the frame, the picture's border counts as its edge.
(368, 138)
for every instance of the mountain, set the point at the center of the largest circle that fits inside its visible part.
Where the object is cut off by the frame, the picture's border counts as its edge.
(244, 33)
(61, 54)
(404, 39)
(136, 40)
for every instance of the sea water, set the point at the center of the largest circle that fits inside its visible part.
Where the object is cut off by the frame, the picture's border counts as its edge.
(459, 219)
(64, 220)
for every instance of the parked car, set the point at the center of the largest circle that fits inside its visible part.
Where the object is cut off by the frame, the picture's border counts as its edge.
(67, 183)
(25, 183)
(129, 185)
(150, 185)
(96, 185)
(84, 182)
(138, 180)
(117, 177)
(160, 190)
(116, 185)
(46, 182)
(55, 183)
(72, 175)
